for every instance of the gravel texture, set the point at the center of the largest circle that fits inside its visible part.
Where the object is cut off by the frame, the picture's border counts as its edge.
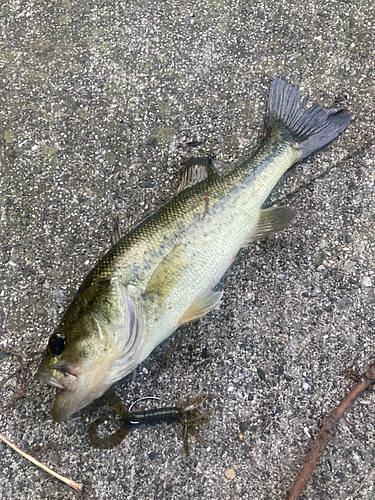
(99, 102)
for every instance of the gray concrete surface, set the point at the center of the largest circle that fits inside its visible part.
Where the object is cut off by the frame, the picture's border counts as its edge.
(99, 100)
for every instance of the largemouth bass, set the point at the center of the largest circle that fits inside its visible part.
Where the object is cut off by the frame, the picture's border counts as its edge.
(161, 274)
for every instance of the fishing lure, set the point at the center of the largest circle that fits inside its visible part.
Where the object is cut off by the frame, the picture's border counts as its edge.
(188, 415)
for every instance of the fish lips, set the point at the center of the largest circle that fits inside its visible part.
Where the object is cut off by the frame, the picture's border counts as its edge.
(59, 375)
(75, 390)
(69, 402)
(64, 405)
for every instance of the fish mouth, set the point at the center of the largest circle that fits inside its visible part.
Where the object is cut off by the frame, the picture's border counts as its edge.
(58, 375)
(68, 402)
(49, 379)
(74, 391)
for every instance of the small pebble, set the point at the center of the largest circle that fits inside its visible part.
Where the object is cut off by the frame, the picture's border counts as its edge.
(229, 473)
(349, 265)
(366, 281)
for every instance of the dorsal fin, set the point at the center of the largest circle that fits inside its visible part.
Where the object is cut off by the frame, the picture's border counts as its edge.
(116, 234)
(196, 170)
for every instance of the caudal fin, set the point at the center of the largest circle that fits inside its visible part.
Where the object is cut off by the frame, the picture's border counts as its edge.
(312, 129)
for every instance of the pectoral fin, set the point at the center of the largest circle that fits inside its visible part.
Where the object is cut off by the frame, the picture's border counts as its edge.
(201, 306)
(270, 221)
(167, 274)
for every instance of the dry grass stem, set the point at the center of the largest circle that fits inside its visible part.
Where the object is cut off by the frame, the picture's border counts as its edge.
(69, 482)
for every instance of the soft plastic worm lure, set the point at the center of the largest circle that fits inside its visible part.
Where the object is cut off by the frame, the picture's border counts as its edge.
(188, 414)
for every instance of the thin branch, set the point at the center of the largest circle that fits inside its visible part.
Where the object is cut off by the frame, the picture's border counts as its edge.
(72, 484)
(325, 434)
(21, 373)
(357, 154)
(164, 364)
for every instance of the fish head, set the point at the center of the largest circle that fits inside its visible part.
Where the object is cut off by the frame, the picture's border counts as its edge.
(76, 361)
(98, 341)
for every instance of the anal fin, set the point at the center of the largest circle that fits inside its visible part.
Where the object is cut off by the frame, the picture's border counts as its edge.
(270, 221)
(201, 306)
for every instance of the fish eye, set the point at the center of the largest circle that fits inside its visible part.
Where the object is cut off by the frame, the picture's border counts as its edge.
(57, 343)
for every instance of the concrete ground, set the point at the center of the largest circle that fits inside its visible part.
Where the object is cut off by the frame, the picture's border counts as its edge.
(99, 101)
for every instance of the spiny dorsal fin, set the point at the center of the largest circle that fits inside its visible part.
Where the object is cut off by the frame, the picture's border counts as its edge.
(167, 274)
(196, 170)
(201, 306)
(270, 221)
(116, 234)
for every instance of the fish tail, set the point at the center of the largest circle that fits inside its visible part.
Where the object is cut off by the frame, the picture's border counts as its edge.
(311, 130)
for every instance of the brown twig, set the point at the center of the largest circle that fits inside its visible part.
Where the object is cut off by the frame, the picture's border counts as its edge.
(325, 434)
(38, 449)
(164, 364)
(21, 374)
(72, 484)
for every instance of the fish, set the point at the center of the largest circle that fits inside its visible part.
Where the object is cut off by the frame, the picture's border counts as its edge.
(162, 273)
